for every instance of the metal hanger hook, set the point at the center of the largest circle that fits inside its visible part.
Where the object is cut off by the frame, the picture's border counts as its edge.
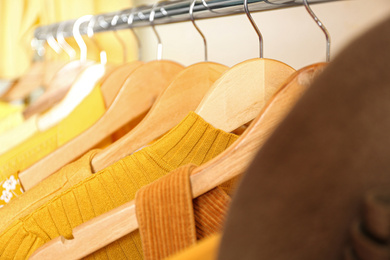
(151, 20)
(322, 26)
(130, 23)
(197, 28)
(114, 22)
(52, 42)
(90, 33)
(77, 36)
(62, 42)
(254, 27)
(38, 46)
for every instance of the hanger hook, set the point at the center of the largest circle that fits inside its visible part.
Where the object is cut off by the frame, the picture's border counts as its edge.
(210, 9)
(38, 46)
(197, 28)
(130, 23)
(322, 26)
(151, 20)
(52, 42)
(114, 22)
(90, 33)
(255, 27)
(62, 42)
(77, 36)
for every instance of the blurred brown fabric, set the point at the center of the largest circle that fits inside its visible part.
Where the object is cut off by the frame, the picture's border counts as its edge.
(305, 188)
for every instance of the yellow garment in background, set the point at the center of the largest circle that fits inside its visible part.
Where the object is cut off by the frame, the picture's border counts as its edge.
(10, 116)
(19, 18)
(192, 141)
(207, 249)
(18, 134)
(43, 143)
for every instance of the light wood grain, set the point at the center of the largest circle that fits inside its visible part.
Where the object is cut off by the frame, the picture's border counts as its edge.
(182, 96)
(240, 94)
(109, 227)
(140, 88)
(54, 94)
(81, 88)
(28, 82)
(51, 70)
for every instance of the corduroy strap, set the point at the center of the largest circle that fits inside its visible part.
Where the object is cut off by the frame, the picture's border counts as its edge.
(170, 221)
(371, 236)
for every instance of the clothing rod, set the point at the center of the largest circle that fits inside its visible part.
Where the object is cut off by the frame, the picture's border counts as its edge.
(170, 12)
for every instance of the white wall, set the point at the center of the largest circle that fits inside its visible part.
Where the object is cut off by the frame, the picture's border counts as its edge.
(290, 35)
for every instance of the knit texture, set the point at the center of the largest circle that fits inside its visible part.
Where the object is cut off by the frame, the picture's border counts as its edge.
(41, 144)
(169, 222)
(50, 187)
(192, 141)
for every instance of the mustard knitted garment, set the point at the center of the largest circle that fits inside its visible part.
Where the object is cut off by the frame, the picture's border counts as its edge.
(43, 143)
(192, 141)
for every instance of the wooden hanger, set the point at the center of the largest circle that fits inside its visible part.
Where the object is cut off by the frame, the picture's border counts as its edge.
(57, 87)
(182, 96)
(111, 226)
(55, 93)
(135, 97)
(240, 94)
(51, 69)
(35, 77)
(29, 127)
(28, 82)
(58, 90)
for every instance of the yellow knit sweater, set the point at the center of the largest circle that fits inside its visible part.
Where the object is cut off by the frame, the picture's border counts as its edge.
(43, 143)
(192, 141)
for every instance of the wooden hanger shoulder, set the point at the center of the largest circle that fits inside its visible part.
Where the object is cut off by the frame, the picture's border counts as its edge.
(182, 96)
(31, 80)
(239, 95)
(109, 227)
(114, 81)
(57, 87)
(83, 85)
(51, 69)
(236, 159)
(140, 89)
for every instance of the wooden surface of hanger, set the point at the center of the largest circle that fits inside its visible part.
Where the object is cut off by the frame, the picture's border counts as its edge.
(51, 69)
(57, 88)
(111, 226)
(135, 98)
(30, 127)
(28, 82)
(182, 96)
(240, 94)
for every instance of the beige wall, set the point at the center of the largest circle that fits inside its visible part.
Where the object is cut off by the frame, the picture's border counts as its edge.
(289, 35)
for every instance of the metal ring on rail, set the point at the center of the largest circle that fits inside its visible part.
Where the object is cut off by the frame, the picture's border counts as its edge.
(62, 42)
(322, 26)
(78, 38)
(114, 22)
(151, 20)
(130, 21)
(254, 27)
(51, 40)
(90, 33)
(197, 28)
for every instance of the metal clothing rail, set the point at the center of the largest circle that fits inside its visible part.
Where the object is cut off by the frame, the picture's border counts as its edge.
(168, 12)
